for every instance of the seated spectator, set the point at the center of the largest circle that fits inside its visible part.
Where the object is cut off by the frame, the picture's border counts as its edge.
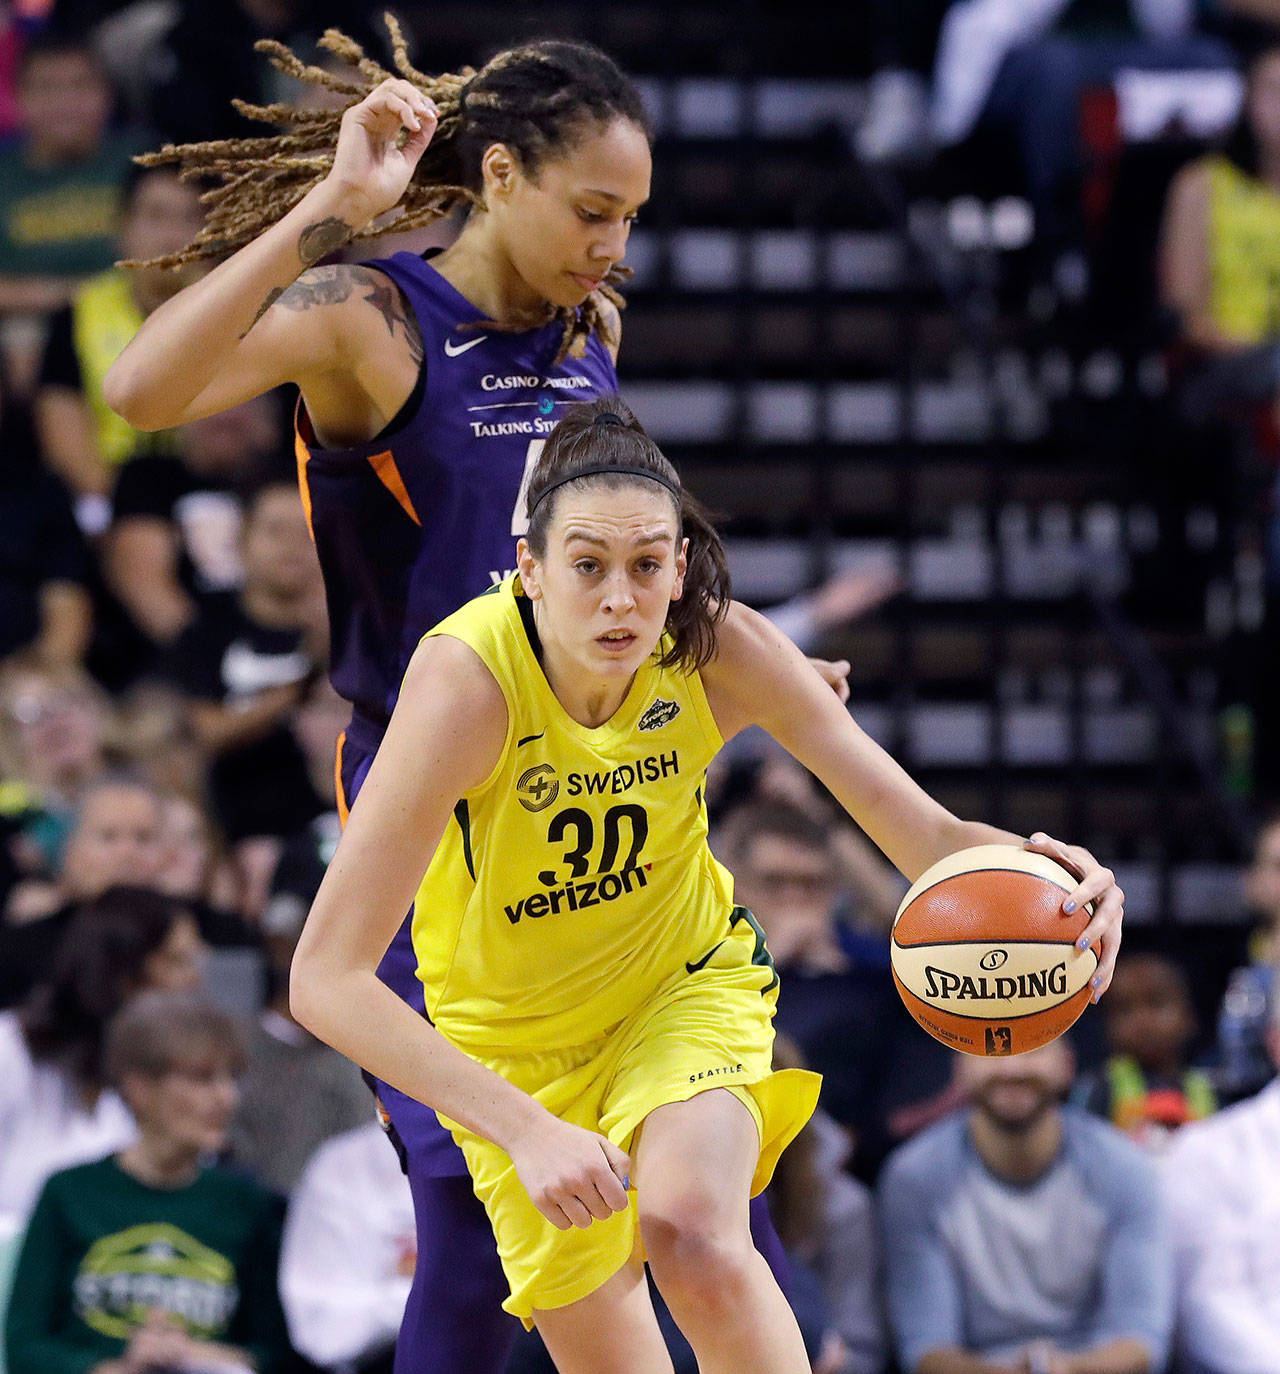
(785, 871)
(1025, 68)
(1146, 1087)
(55, 1106)
(81, 437)
(825, 1221)
(114, 838)
(1219, 262)
(175, 542)
(296, 1091)
(869, 888)
(146, 1259)
(349, 1249)
(60, 186)
(193, 867)
(54, 725)
(45, 607)
(1222, 1185)
(244, 666)
(1243, 1062)
(1024, 1235)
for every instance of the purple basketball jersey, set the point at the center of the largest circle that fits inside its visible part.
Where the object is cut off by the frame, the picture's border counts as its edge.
(414, 523)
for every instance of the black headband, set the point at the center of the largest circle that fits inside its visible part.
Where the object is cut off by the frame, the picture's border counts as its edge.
(604, 469)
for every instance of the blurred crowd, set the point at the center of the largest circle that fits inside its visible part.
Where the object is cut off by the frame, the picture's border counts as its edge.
(167, 807)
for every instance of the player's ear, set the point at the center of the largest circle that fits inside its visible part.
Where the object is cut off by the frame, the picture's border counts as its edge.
(527, 566)
(682, 566)
(499, 167)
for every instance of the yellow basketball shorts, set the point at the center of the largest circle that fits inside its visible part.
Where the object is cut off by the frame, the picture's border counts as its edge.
(706, 1028)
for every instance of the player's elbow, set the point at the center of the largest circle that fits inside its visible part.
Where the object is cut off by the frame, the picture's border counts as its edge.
(136, 397)
(307, 985)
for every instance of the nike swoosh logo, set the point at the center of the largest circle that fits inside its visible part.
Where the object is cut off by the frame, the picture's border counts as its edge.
(528, 739)
(451, 350)
(697, 964)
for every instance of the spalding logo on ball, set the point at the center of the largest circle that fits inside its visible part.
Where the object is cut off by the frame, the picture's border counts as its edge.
(984, 956)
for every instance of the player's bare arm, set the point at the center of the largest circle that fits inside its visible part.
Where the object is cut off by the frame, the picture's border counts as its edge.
(760, 678)
(238, 331)
(446, 736)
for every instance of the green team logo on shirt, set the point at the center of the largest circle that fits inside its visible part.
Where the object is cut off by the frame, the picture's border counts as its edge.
(157, 1267)
(537, 787)
(659, 714)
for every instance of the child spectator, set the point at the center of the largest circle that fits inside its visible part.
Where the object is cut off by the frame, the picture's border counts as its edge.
(146, 1259)
(56, 1108)
(1146, 1086)
(82, 438)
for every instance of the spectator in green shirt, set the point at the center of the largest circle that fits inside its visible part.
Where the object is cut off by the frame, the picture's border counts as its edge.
(60, 187)
(148, 1260)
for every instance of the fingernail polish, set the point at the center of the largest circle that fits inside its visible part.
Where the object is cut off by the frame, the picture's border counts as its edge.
(1096, 982)
(626, 1183)
(1068, 907)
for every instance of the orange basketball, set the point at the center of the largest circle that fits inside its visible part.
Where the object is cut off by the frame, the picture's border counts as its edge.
(983, 954)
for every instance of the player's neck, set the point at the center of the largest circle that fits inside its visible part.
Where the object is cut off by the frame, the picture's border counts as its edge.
(589, 701)
(1021, 1155)
(477, 267)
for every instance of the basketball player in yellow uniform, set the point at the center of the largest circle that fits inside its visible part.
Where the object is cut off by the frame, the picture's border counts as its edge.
(600, 1009)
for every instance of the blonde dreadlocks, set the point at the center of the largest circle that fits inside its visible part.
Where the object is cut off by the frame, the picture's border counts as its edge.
(533, 98)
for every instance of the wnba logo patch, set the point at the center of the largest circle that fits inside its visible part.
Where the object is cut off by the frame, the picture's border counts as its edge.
(537, 787)
(659, 714)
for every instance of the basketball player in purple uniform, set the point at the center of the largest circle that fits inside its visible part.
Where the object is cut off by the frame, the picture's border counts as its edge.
(426, 390)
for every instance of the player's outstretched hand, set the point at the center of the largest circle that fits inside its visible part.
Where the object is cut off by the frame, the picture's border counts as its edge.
(574, 1176)
(379, 144)
(1097, 885)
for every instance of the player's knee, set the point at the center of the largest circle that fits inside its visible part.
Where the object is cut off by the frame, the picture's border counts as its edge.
(697, 1261)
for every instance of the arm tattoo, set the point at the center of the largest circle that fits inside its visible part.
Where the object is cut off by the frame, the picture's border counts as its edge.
(334, 284)
(387, 301)
(272, 297)
(323, 237)
(320, 286)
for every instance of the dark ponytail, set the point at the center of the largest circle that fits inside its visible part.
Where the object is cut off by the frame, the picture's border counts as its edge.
(602, 441)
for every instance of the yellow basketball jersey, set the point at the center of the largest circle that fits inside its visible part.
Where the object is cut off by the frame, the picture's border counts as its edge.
(1244, 218)
(576, 878)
